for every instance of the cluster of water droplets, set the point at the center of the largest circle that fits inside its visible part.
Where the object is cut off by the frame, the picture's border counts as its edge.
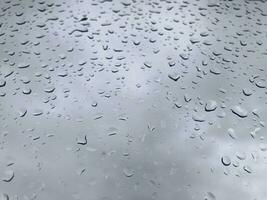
(133, 99)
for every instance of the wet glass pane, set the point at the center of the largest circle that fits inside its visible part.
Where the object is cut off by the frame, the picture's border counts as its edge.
(133, 99)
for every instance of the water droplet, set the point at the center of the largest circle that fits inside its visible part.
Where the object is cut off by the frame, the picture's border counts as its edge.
(8, 176)
(37, 112)
(22, 112)
(128, 172)
(226, 161)
(247, 169)
(210, 196)
(174, 76)
(211, 105)
(82, 140)
(2, 83)
(240, 112)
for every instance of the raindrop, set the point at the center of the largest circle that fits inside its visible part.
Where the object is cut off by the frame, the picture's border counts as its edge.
(174, 76)
(49, 89)
(128, 172)
(211, 105)
(184, 56)
(37, 112)
(240, 112)
(210, 196)
(22, 112)
(82, 140)
(148, 64)
(2, 83)
(247, 169)
(8, 176)
(226, 161)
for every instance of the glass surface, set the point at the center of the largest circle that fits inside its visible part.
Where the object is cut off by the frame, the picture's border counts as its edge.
(133, 100)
